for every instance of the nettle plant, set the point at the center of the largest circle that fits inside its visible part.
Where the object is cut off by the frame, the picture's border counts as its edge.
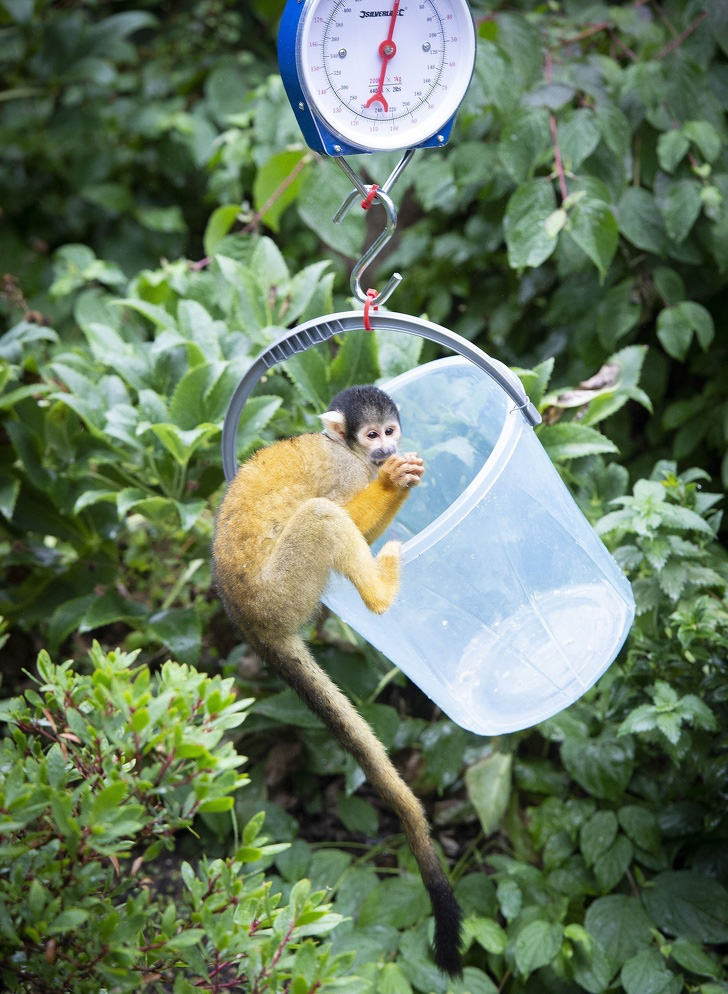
(99, 772)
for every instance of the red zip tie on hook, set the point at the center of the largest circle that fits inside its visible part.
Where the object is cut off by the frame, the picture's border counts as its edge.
(371, 295)
(369, 199)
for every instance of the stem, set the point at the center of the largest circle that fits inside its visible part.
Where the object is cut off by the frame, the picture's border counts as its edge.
(252, 225)
(555, 135)
(676, 42)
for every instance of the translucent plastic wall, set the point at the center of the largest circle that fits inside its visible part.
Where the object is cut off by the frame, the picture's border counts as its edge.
(510, 606)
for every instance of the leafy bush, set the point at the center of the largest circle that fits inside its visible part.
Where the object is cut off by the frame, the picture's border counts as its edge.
(576, 228)
(97, 776)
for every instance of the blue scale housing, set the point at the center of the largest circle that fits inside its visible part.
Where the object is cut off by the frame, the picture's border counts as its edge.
(317, 133)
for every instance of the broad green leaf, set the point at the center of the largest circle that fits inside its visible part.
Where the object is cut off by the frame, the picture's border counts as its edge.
(536, 946)
(646, 973)
(640, 220)
(597, 835)
(487, 933)
(219, 224)
(399, 901)
(278, 184)
(525, 141)
(705, 137)
(694, 958)
(308, 370)
(681, 205)
(619, 923)
(593, 227)
(572, 441)
(524, 224)
(578, 137)
(257, 413)
(357, 815)
(180, 629)
(641, 826)
(68, 920)
(488, 784)
(322, 192)
(676, 325)
(356, 361)
(108, 800)
(672, 146)
(392, 980)
(687, 904)
(615, 129)
(603, 767)
(610, 867)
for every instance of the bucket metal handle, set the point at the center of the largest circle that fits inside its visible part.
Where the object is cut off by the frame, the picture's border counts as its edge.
(322, 329)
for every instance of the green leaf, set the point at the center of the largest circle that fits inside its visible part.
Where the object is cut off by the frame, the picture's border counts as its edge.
(488, 784)
(392, 980)
(68, 920)
(603, 767)
(687, 904)
(524, 224)
(694, 958)
(323, 191)
(221, 221)
(217, 804)
(399, 902)
(611, 866)
(355, 362)
(309, 370)
(646, 973)
(277, 185)
(536, 946)
(619, 923)
(669, 285)
(593, 227)
(579, 135)
(487, 933)
(357, 815)
(108, 800)
(641, 826)
(672, 146)
(568, 440)
(681, 206)
(676, 325)
(180, 629)
(525, 140)
(640, 220)
(597, 835)
(705, 136)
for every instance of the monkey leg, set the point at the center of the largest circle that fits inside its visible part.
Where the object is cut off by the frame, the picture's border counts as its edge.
(320, 536)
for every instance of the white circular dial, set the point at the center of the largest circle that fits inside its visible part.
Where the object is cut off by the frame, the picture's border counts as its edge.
(385, 74)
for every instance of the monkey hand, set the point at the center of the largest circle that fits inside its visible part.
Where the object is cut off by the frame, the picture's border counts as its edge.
(402, 471)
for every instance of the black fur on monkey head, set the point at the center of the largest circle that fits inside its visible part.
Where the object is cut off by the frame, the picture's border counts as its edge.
(367, 420)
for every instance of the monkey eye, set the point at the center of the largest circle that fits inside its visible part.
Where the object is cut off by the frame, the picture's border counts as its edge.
(372, 434)
(389, 431)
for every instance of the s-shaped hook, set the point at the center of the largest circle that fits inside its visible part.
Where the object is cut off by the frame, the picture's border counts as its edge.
(381, 196)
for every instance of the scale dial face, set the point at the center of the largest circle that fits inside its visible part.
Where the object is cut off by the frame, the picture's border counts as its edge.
(385, 74)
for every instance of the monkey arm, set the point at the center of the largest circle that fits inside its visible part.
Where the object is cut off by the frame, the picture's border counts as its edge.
(373, 509)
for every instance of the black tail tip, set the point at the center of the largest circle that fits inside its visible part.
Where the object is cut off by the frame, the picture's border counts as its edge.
(448, 929)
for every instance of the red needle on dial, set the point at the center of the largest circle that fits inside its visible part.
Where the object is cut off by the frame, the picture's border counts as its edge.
(387, 50)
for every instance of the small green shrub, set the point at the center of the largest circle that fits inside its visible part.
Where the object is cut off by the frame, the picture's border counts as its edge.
(98, 774)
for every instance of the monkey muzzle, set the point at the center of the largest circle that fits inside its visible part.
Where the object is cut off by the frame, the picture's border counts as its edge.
(379, 456)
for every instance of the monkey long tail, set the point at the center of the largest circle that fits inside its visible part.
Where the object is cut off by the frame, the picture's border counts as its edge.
(292, 660)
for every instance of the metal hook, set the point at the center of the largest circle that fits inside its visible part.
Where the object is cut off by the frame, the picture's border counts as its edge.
(382, 197)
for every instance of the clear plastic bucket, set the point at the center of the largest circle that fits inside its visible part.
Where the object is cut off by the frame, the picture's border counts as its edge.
(510, 606)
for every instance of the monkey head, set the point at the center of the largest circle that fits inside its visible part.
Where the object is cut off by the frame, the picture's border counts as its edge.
(365, 419)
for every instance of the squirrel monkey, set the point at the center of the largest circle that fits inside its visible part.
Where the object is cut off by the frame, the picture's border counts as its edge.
(296, 510)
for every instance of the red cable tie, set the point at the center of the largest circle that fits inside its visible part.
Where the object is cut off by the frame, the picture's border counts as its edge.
(371, 295)
(369, 199)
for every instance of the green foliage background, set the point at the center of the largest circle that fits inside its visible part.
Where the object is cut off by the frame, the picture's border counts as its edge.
(162, 222)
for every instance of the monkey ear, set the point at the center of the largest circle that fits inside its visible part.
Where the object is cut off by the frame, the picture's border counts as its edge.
(335, 422)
